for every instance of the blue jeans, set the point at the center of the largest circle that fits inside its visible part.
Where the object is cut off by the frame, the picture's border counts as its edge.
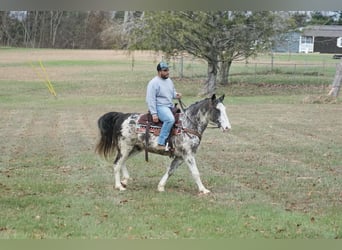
(166, 116)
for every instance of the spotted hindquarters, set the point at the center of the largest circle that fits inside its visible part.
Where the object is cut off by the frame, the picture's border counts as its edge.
(110, 125)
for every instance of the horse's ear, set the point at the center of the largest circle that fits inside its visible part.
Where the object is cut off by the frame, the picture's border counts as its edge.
(213, 97)
(221, 98)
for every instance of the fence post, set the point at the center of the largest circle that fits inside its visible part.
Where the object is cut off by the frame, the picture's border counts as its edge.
(181, 66)
(336, 85)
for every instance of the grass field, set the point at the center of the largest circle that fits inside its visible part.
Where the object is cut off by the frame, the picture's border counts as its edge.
(277, 174)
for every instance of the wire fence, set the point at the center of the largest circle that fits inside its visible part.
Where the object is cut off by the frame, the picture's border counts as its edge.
(260, 72)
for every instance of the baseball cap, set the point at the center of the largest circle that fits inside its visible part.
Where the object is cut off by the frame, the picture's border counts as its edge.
(162, 66)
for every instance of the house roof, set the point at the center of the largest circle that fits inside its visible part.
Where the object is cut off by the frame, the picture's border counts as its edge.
(323, 30)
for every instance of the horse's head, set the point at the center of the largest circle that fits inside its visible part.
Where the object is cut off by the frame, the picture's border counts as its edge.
(219, 115)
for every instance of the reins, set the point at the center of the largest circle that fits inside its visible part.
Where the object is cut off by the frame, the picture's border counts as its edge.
(183, 106)
(187, 130)
(192, 131)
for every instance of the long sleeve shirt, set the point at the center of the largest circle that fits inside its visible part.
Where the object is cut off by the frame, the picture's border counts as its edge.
(160, 92)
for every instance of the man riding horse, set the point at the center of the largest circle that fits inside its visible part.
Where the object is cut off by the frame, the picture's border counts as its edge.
(122, 134)
(159, 96)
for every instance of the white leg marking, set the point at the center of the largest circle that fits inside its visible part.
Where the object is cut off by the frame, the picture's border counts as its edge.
(117, 168)
(120, 166)
(125, 175)
(191, 162)
(162, 182)
(169, 171)
(126, 149)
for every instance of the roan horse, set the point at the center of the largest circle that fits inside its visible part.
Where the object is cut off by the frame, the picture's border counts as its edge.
(119, 134)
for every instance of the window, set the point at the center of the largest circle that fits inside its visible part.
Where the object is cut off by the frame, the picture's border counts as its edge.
(307, 39)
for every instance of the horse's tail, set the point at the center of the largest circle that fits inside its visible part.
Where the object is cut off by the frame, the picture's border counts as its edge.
(110, 130)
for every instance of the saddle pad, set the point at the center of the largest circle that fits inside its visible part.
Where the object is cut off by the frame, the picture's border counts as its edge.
(155, 130)
(145, 118)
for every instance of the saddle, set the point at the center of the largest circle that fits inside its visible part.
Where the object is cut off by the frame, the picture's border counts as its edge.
(146, 125)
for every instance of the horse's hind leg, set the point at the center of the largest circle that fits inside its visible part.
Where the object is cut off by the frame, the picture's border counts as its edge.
(119, 164)
(170, 170)
(125, 175)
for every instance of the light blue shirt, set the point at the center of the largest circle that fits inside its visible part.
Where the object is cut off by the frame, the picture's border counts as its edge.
(160, 92)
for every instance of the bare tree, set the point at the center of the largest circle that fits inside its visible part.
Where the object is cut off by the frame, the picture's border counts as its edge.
(55, 20)
(5, 35)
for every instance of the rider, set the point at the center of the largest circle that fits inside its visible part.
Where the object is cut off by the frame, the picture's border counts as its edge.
(159, 96)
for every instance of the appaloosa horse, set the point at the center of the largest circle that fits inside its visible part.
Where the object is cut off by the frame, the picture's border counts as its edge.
(121, 134)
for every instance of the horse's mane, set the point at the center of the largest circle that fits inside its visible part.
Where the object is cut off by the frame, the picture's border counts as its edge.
(194, 108)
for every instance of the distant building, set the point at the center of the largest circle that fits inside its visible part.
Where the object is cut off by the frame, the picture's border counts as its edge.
(287, 43)
(321, 38)
(318, 38)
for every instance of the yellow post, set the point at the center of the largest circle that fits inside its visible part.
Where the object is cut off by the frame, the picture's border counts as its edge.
(45, 78)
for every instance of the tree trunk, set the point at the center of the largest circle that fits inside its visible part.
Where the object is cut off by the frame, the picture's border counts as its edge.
(127, 19)
(4, 33)
(210, 84)
(224, 72)
(56, 18)
(41, 40)
(336, 85)
(35, 29)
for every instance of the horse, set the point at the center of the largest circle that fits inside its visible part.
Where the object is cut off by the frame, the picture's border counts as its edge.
(119, 135)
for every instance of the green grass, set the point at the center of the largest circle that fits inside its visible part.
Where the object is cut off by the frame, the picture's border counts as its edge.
(276, 175)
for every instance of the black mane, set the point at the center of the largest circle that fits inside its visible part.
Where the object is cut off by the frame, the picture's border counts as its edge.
(193, 114)
(195, 107)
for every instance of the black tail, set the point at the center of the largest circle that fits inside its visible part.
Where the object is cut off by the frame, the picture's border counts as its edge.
(110, 128)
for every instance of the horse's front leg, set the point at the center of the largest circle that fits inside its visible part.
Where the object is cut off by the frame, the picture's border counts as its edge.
(191, 162)
(173, 166)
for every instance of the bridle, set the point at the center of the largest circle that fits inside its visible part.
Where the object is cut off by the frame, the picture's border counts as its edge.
(188, 130)
(183, 108)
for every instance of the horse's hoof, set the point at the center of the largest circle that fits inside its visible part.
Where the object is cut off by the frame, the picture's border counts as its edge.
(124, 183)
(203, 192)
(120, 188)
(161, 189)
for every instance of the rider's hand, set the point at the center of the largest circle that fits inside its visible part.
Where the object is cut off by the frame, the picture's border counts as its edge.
(155, 118)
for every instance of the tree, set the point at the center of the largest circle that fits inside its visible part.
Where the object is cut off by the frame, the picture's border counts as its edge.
(298, 19)
(96, 23)
(218, 37)
(320, 18)
(72, 30)
(36, 29)
(56, 29)
(117, 35)
(339, 19)
(55, 20)
(249, 34)
(6, 36)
